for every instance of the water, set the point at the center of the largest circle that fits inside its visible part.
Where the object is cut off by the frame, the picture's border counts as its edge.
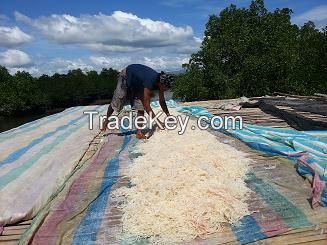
(7, 123)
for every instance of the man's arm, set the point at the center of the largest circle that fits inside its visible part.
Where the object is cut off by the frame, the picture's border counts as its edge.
(162, 100)
(147, 106)
(146, 102)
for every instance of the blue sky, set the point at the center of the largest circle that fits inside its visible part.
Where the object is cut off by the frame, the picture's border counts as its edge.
(44, 36)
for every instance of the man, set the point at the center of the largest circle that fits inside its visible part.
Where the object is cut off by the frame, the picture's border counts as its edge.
(135, 83)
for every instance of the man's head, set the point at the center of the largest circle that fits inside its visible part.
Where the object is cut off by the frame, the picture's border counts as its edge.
(167, 79)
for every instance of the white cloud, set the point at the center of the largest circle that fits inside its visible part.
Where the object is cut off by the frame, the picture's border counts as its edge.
(99, 47)
(14, 58)
(23, 18)
(113, 62)
(167, 63)
(13, 36)
(116, 40)
(119, 31)
(31, 70)
(60, 65)
(56, 65)
(318, 15)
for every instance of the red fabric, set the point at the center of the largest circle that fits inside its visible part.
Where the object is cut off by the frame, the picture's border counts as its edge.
(317, 185)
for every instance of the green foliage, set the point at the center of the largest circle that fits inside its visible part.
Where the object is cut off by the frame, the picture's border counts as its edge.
(254, 52)
(190, 86)
(22, 93)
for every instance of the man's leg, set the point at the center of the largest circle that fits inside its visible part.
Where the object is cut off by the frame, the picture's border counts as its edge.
(118, 99)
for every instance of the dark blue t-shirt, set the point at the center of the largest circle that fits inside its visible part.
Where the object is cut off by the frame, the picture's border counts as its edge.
(140, 77)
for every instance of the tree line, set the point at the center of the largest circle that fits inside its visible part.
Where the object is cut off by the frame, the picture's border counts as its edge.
(254, 52)
(23, 93)
(245, 52)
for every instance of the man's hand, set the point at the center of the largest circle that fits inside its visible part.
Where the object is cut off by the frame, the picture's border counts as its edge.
(148, 109)
(140, 135)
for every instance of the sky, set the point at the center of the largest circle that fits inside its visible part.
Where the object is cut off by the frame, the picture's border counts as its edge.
(44, 37)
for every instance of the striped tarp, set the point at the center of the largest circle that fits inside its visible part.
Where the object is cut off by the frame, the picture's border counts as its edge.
(37, 158)
(308, 149)
(85, 213)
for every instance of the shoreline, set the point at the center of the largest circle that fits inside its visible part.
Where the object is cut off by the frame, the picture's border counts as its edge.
(13, 121)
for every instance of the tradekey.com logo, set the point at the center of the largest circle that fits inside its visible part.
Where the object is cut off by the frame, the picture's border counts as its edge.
(180, 122)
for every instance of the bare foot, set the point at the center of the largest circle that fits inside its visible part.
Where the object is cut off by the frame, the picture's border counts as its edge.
(140, 136)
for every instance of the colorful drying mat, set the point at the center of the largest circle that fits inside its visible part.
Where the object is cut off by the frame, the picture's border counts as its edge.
(307, 149)
(85, 213)
(37, 158)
